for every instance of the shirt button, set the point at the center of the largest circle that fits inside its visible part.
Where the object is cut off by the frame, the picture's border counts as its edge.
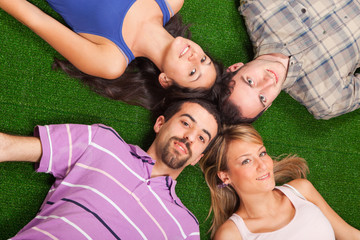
(303, 10)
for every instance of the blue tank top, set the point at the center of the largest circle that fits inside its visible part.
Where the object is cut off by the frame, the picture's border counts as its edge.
(102, 17)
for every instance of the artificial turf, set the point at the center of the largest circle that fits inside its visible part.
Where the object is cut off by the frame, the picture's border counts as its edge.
(31, 94)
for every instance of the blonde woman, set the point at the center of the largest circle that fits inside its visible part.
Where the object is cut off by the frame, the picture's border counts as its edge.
(247, 204)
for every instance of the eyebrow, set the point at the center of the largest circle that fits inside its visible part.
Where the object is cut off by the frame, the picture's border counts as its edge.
(248, 154)
(192, 119)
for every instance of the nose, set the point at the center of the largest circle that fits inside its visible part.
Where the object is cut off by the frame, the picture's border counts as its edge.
(193, 56)
(267, 82)
(261, 165)
(190, 136)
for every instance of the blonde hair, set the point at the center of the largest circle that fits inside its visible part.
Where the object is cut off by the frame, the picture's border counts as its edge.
(224, 200)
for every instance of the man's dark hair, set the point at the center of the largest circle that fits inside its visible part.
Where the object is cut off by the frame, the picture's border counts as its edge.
(174, 106)
(231, 114)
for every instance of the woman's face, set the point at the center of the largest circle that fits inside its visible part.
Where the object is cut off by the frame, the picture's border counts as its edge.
(250, 169)
(187, 65)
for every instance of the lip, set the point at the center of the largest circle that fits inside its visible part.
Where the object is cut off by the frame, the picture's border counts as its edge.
(181, 147)
(266, 176)
(184, 51)
(276, 77)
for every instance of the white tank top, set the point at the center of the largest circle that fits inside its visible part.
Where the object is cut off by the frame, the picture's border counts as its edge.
(309, 223)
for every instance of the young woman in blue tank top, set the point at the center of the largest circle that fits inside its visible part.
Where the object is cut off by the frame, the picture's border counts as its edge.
(107, 35)
(245, 202)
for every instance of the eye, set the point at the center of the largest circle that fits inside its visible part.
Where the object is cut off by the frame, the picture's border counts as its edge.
(202, 139)
(262, 98)
(186, 124)
(246, 161)
(193, 72)
(262, 154)
(203, 59)
(250, 82)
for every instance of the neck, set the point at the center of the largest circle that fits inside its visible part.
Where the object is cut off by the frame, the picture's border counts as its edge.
(160, 169)
(155, 49)
(259, 205)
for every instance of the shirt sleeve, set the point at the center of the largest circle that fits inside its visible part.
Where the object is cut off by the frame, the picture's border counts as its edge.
(62, 145)
(343, 98)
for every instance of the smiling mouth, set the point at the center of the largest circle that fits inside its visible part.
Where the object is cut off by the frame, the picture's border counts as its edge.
(184, 51)
(263, 177)
(274, 74)
(181, 146)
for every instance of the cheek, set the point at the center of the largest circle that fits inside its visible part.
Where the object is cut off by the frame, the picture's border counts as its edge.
(197, 149)
(273, 95)
(270, 163)
(238, 175)
(175, 71)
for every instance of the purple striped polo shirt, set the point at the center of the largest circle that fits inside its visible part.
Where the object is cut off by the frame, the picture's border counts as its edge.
(103, 190)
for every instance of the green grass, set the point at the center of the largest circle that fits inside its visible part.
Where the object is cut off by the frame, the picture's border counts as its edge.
(31, 93)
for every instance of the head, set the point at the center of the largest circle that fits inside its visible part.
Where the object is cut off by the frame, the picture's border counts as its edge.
(237, 154)
(238, 165)
(255, 85)
(187, 65)
(184, 132)
(245, 164)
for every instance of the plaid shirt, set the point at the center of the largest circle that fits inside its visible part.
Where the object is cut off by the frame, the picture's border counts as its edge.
(322, 38)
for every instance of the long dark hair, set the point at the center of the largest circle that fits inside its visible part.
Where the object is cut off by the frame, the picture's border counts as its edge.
(139, 84)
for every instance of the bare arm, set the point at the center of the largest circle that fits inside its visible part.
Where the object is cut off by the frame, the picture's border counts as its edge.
(102, 60)
(341, 228)
(19, 148)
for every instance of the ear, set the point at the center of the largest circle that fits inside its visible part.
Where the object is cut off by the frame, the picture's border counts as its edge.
(235, 67)
(159, 123)
(224, 177)
(164, 80)
(197, 160)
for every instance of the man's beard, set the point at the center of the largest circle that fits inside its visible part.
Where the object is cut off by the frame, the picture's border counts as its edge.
(171, 159)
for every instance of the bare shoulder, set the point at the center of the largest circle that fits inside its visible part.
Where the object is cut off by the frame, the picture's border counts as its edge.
(227, 231)
(304, 186)
(176, 5)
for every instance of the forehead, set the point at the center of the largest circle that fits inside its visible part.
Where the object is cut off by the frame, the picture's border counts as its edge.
(199, 115)
(239, 147)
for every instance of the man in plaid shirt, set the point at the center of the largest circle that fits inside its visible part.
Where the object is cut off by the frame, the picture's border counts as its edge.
(309, 49)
